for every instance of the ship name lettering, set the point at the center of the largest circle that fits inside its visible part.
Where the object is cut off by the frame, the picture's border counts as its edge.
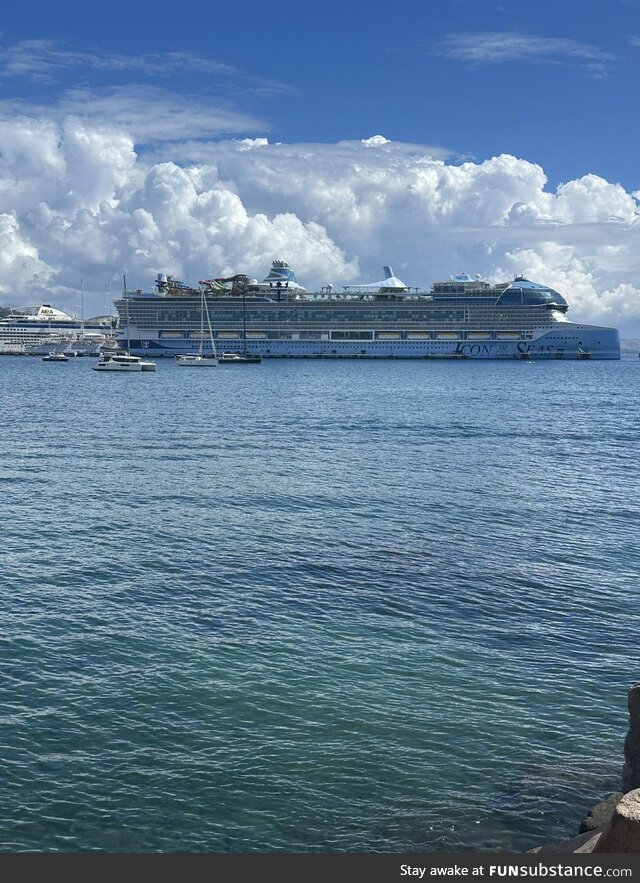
(474, 349)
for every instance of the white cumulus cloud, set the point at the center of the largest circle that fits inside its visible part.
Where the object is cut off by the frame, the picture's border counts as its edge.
(78, 201)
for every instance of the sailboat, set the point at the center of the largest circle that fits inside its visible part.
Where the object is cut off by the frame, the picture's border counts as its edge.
(123, 361)
(245, 357)
(201, 361)
(80, 349)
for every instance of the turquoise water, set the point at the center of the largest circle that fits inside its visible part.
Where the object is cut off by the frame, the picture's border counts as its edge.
(315, 606)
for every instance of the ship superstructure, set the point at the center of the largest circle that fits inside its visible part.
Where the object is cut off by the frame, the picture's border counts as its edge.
(462, 317)
(45, 329)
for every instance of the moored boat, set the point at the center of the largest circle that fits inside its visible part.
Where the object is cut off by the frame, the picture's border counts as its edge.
(200, 360)
(185, 359)
(122, 362)
(243, 358)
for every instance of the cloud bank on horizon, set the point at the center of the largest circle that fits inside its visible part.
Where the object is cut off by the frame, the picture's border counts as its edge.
(80, 199)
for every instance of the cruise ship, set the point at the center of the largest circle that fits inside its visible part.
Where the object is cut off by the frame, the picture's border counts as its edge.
(462, 317)
(46, 329)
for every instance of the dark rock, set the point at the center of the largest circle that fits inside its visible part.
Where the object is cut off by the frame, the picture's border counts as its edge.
(600, 815)
(631, 769)
(582, 843)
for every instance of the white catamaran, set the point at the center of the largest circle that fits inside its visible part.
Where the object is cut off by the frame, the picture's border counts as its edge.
(120, 361)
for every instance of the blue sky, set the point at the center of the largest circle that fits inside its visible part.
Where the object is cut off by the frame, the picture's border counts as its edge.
(555, 82)
(448, 84)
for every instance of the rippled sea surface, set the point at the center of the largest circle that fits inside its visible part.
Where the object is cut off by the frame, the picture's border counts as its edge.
(315, 606)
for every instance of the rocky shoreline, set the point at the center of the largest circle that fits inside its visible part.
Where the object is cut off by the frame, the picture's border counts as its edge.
(613, 824)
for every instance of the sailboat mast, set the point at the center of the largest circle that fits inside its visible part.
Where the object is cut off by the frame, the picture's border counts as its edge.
(126, 305)
(201, 320)
(81, 310)
(213, 343)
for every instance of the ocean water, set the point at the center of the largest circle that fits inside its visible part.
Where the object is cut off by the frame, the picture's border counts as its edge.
(315, 606)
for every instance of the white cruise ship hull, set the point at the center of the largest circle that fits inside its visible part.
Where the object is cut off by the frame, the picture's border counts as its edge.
(566, 340)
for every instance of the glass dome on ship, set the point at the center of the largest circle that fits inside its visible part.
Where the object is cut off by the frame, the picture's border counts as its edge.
(463, 317)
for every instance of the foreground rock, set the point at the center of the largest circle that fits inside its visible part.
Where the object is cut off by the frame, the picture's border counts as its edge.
(623, 831)
(631, 769)
(620, 834)
(600, 815)
(582, 843)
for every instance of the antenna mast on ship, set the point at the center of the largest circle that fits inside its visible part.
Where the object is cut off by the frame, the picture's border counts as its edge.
(244, 324)
(81, 311)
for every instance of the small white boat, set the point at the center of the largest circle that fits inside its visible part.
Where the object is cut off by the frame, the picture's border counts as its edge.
(243, 358)
(55, 357)
(122, 362)
(197, 361)
(119, 361)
